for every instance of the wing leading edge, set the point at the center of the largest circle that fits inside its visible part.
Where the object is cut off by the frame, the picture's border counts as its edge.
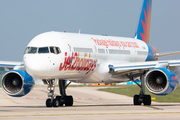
(137, 68)
(10, 65)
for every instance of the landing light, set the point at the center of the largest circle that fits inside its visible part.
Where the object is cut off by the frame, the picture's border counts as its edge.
(50, 88)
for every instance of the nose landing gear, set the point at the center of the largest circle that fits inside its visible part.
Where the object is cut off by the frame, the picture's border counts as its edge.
(58, 100)
(52, 101)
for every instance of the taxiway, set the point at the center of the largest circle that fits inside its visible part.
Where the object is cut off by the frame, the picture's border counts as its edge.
(89, 103)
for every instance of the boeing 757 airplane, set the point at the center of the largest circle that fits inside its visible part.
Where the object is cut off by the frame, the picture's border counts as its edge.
(81, 58)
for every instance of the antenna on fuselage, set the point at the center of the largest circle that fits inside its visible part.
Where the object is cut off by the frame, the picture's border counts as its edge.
(79, 31)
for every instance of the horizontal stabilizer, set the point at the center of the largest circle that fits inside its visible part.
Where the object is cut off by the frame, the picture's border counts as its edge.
(166, 54)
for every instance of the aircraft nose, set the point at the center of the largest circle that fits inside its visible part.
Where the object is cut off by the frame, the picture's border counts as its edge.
(35, 65)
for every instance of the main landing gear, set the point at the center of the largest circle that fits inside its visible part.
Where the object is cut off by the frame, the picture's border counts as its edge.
(141, 98)
(58, 100)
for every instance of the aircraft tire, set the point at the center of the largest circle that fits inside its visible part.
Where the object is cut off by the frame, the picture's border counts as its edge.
(59, 99)
(55, 103)
(136, 100)
(48, 103)
(147, 100)
(68, 101)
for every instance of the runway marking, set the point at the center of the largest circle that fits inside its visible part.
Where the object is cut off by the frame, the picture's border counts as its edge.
(35, 98)
(153, 107)
(87, 98)
(73, 98)
(89, 114)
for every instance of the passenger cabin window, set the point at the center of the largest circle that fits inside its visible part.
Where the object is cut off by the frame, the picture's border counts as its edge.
(101, 51)
(113, 51)
(43, 50)
(85, 50)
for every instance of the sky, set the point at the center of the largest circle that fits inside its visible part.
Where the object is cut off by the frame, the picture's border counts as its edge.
(22, 20)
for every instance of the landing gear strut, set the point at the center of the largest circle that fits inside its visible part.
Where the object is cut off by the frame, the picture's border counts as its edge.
(141, 98)
(58, 100)
(51, 101)
(64, 99)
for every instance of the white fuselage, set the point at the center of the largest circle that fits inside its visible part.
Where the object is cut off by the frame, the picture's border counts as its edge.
(83, 58)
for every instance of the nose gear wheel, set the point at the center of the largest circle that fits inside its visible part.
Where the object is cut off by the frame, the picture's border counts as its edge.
(58, 100)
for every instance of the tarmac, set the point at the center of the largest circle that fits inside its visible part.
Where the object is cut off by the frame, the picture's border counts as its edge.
(89, 103)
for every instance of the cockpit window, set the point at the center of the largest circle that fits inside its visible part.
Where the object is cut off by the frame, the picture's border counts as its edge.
(53, 50)
(43, 50)
(58, 50)
(32, 49)
(27, 49)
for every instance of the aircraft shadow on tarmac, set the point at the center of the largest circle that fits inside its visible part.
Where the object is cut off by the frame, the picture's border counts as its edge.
(125, 105)
(72, 106)
(92, 105)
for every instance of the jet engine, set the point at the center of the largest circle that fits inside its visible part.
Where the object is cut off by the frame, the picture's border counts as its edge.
(17, 83)
(161, 81)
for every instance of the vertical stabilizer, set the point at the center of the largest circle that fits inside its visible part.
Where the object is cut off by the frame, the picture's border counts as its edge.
(143, 31)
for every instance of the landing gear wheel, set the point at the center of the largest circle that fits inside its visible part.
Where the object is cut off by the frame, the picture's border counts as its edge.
(48, 103)
(147, 100)
(55, 103)
(68, 100)
(60, 101)
(136, 100)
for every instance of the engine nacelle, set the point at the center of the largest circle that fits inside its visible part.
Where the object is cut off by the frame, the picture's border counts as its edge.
(161, 81)
(17, 83)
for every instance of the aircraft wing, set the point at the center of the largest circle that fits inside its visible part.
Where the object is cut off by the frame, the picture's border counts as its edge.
(138, 68)
(11, 65)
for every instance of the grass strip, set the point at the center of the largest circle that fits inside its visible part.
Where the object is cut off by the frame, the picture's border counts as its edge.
(131, 90)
